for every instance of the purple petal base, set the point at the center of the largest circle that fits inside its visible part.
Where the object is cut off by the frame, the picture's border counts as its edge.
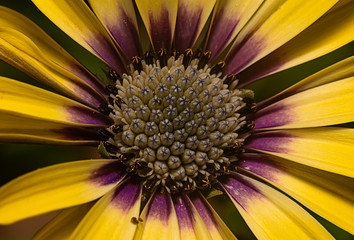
(274, 141)
(160, 30)
(126, 195)
(109, 173)
(160, 207)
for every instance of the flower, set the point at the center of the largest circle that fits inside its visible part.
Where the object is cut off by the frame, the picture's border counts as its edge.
(176, 124)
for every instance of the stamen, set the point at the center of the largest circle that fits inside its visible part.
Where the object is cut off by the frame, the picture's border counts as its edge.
(137, 63)
(217, 68)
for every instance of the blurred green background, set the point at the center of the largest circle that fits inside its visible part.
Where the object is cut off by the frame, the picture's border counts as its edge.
(19, 159)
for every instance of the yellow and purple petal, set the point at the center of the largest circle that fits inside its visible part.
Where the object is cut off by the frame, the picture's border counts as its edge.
(19, 51)
(77, 20)
(191, 18)
(23, 100)
(118, 16)
(330, 149)
(329, 195)
(20, 129)
(63, 224)
(274, 24)
(323, 105)
(269, 213)
(159, 17)
(230, 16)
(191, 225)
(158, 220)
(217, 228)
(51, 50)
(329, 33)
(111, 217)
(56, 187)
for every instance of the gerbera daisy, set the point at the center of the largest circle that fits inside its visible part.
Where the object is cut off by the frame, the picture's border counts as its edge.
(176, 123)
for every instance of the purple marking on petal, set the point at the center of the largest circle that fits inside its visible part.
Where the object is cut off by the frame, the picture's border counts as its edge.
(261, 165)
(88, 77)
(243, 53)
(87, 116)
(187, 25)
(204, 209)
(126, 195)
(109, 173)
(88, 94)
(184, 211)
(274, 141)
(241, 190)
(273, 116)
(259, 69)
(126, 34)
(160, 207)
(78, 133)
(160, 30)
(105, 49)
(220, 33)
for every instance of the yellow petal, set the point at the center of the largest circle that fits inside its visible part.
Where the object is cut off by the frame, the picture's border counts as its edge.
(158, 220)
(119, 18)
(56, 187)
(269, 213)
(320, 106)
(329, 33)
(76, 19)
(329, 195)
(20, 99)
(329, 149)
(63, 224)
(51, 50)
(13, 130)
(111, 217)
(19, 51)
(274, 24)
(159, 17)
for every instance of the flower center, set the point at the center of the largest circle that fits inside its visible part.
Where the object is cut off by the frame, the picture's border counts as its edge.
(178, 123)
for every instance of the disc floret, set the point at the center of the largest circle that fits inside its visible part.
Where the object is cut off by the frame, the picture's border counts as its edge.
(177, 123)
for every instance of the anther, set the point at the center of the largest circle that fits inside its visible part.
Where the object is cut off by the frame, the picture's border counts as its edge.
(249, 108)
(105, 134)
(151, 183)
(230, 79)
(234, 149)
(204, 59)
(217, 68)
(116, 128)
(114, 76)
(119, 101)
(246, 127)
(137, 63)
(149, 58)
(175, 54)
(162, 55)
(188, 54)
(198, 53)
(126, 157)
(104, 109)
(110, 147)
(112, 89)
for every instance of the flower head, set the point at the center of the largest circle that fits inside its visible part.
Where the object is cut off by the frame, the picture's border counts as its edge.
(175, 124)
